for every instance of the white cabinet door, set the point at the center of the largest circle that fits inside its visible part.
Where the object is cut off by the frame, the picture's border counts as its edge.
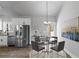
(3, 41)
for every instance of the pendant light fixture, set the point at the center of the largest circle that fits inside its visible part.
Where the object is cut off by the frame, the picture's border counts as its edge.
(47, 22)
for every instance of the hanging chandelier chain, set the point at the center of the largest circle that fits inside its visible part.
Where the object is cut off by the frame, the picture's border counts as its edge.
(47, 15)
(47, 9)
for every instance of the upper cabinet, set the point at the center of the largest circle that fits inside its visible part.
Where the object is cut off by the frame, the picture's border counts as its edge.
(12, 23)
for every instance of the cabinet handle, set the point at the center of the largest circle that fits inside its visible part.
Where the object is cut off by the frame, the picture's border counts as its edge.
(1, 40)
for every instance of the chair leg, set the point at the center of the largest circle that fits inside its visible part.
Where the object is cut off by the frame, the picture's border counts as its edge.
(65, 53)
(37, 54)
(57, 55)
(61, 55)
(33, 53)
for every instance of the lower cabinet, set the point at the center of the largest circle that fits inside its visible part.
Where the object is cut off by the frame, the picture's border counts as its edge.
(3, 41)
(11, 40)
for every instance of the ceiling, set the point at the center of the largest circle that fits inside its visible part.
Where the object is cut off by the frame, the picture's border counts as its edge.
(31, 8)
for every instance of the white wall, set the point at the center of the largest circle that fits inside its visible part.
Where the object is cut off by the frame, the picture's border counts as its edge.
(70, 10)
(37, 23)
(20, 21)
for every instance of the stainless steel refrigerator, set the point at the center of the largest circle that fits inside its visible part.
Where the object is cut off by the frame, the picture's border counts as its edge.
(26, 34)
(23, 36)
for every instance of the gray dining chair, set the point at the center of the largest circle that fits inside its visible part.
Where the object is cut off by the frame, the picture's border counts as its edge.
(59, 47)
(53, 42)
(37, 46)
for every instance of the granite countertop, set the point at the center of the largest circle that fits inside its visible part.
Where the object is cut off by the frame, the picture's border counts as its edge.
(3, 35)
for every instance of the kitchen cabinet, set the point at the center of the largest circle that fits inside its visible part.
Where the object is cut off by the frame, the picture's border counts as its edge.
(11, 40)
(3, 41)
